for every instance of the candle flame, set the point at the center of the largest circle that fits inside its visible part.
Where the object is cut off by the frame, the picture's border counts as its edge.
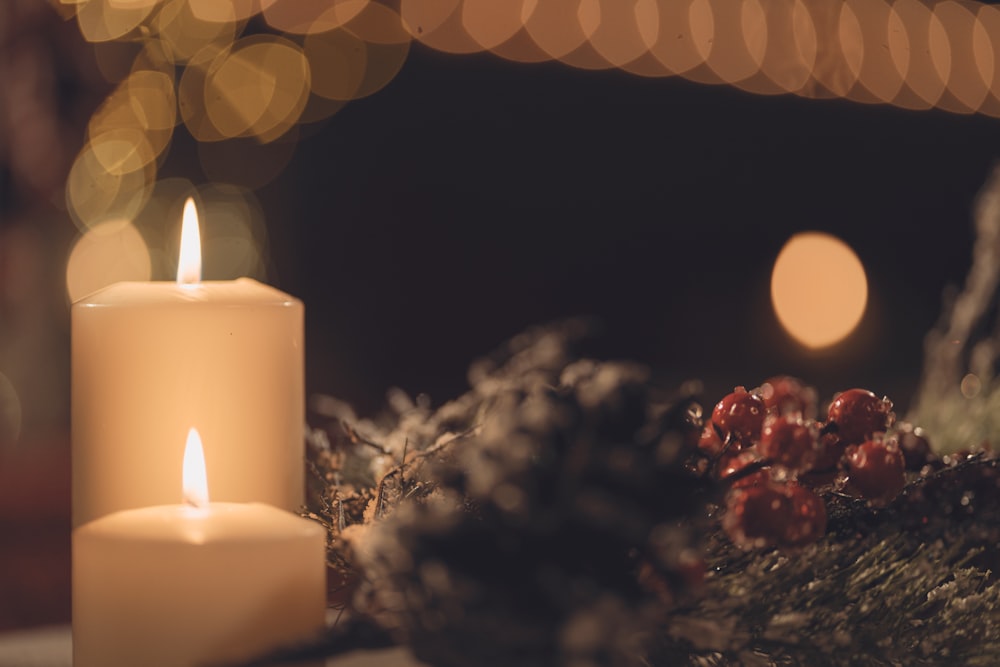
(189, 265)
(195, 478)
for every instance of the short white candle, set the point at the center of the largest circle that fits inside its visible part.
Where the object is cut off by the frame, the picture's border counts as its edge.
(150, 359)
(188, 585)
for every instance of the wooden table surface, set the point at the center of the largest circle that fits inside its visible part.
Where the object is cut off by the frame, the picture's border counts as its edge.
(53, 647)
(35, 534)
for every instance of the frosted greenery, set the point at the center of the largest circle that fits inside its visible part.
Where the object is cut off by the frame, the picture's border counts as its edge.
(959, 423)
(966, 344)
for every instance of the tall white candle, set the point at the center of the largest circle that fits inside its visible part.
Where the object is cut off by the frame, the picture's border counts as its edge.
(150, 359)
(195, 584)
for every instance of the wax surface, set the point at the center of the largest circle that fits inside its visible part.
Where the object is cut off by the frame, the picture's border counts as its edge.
(239, 292)
(152, 360)
(171, 586)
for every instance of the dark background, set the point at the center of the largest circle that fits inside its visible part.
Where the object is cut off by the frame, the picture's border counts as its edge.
(474, 197)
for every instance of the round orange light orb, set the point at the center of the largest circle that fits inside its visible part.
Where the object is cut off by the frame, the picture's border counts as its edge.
(111, 251)
(818, 288)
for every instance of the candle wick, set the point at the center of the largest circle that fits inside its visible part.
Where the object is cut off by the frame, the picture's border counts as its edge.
(192, 500)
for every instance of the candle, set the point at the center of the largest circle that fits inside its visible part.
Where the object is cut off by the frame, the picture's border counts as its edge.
(149, 359)
(194, 584)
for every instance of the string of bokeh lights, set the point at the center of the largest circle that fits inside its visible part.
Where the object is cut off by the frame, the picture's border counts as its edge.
(245, 78)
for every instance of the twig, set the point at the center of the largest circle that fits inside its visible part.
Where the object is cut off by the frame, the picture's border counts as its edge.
(398, 470)
(356, 438)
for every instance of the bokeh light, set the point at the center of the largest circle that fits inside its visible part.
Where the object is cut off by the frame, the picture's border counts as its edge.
(340, 60)
(701, 23)
(232, 234)
(438, 25)
(830, 74)
(105, 20)
(789, 49)
(378, 24)
(879, 80)
(305, 17)
(968, 83)
(555, 27)
(988, 25)
(915, 61)
(107, 253)
(422, 19)
(100, 187)
(144, 103)
(616, 34)
(971, 385)
(192, 66)
(231, 219)
(191, 102)
(224, 11)
(184, 34)
(940, 51)
(491, 23)
(387, 46)
(906, 52)
(818, 288)
(673, 51)
(256, 87)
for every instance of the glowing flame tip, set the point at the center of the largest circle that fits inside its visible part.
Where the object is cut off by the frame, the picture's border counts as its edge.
(195, 479)
(189, 265)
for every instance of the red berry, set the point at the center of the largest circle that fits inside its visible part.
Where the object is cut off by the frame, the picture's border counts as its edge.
(757, 516)
(859, 414)
(788, 441)
(808, 522)
(786, 395)
(876, 470)
(710, 443)
(740, 416)
(730, 465)
(826, 466)
(915, 446)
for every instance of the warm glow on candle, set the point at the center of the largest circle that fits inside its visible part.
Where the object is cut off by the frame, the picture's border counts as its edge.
(195, 478)
(189, 266)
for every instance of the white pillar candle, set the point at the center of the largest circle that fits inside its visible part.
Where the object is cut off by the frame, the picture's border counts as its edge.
(178, 586)
(150, 359)
(196, 584)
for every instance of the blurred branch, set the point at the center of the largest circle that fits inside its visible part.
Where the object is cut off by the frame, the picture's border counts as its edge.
(965, 342)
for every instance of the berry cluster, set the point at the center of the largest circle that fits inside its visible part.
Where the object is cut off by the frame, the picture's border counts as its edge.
(770, 450)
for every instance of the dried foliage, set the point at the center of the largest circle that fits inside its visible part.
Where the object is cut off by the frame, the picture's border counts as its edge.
(515, 523)
(551, 516)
